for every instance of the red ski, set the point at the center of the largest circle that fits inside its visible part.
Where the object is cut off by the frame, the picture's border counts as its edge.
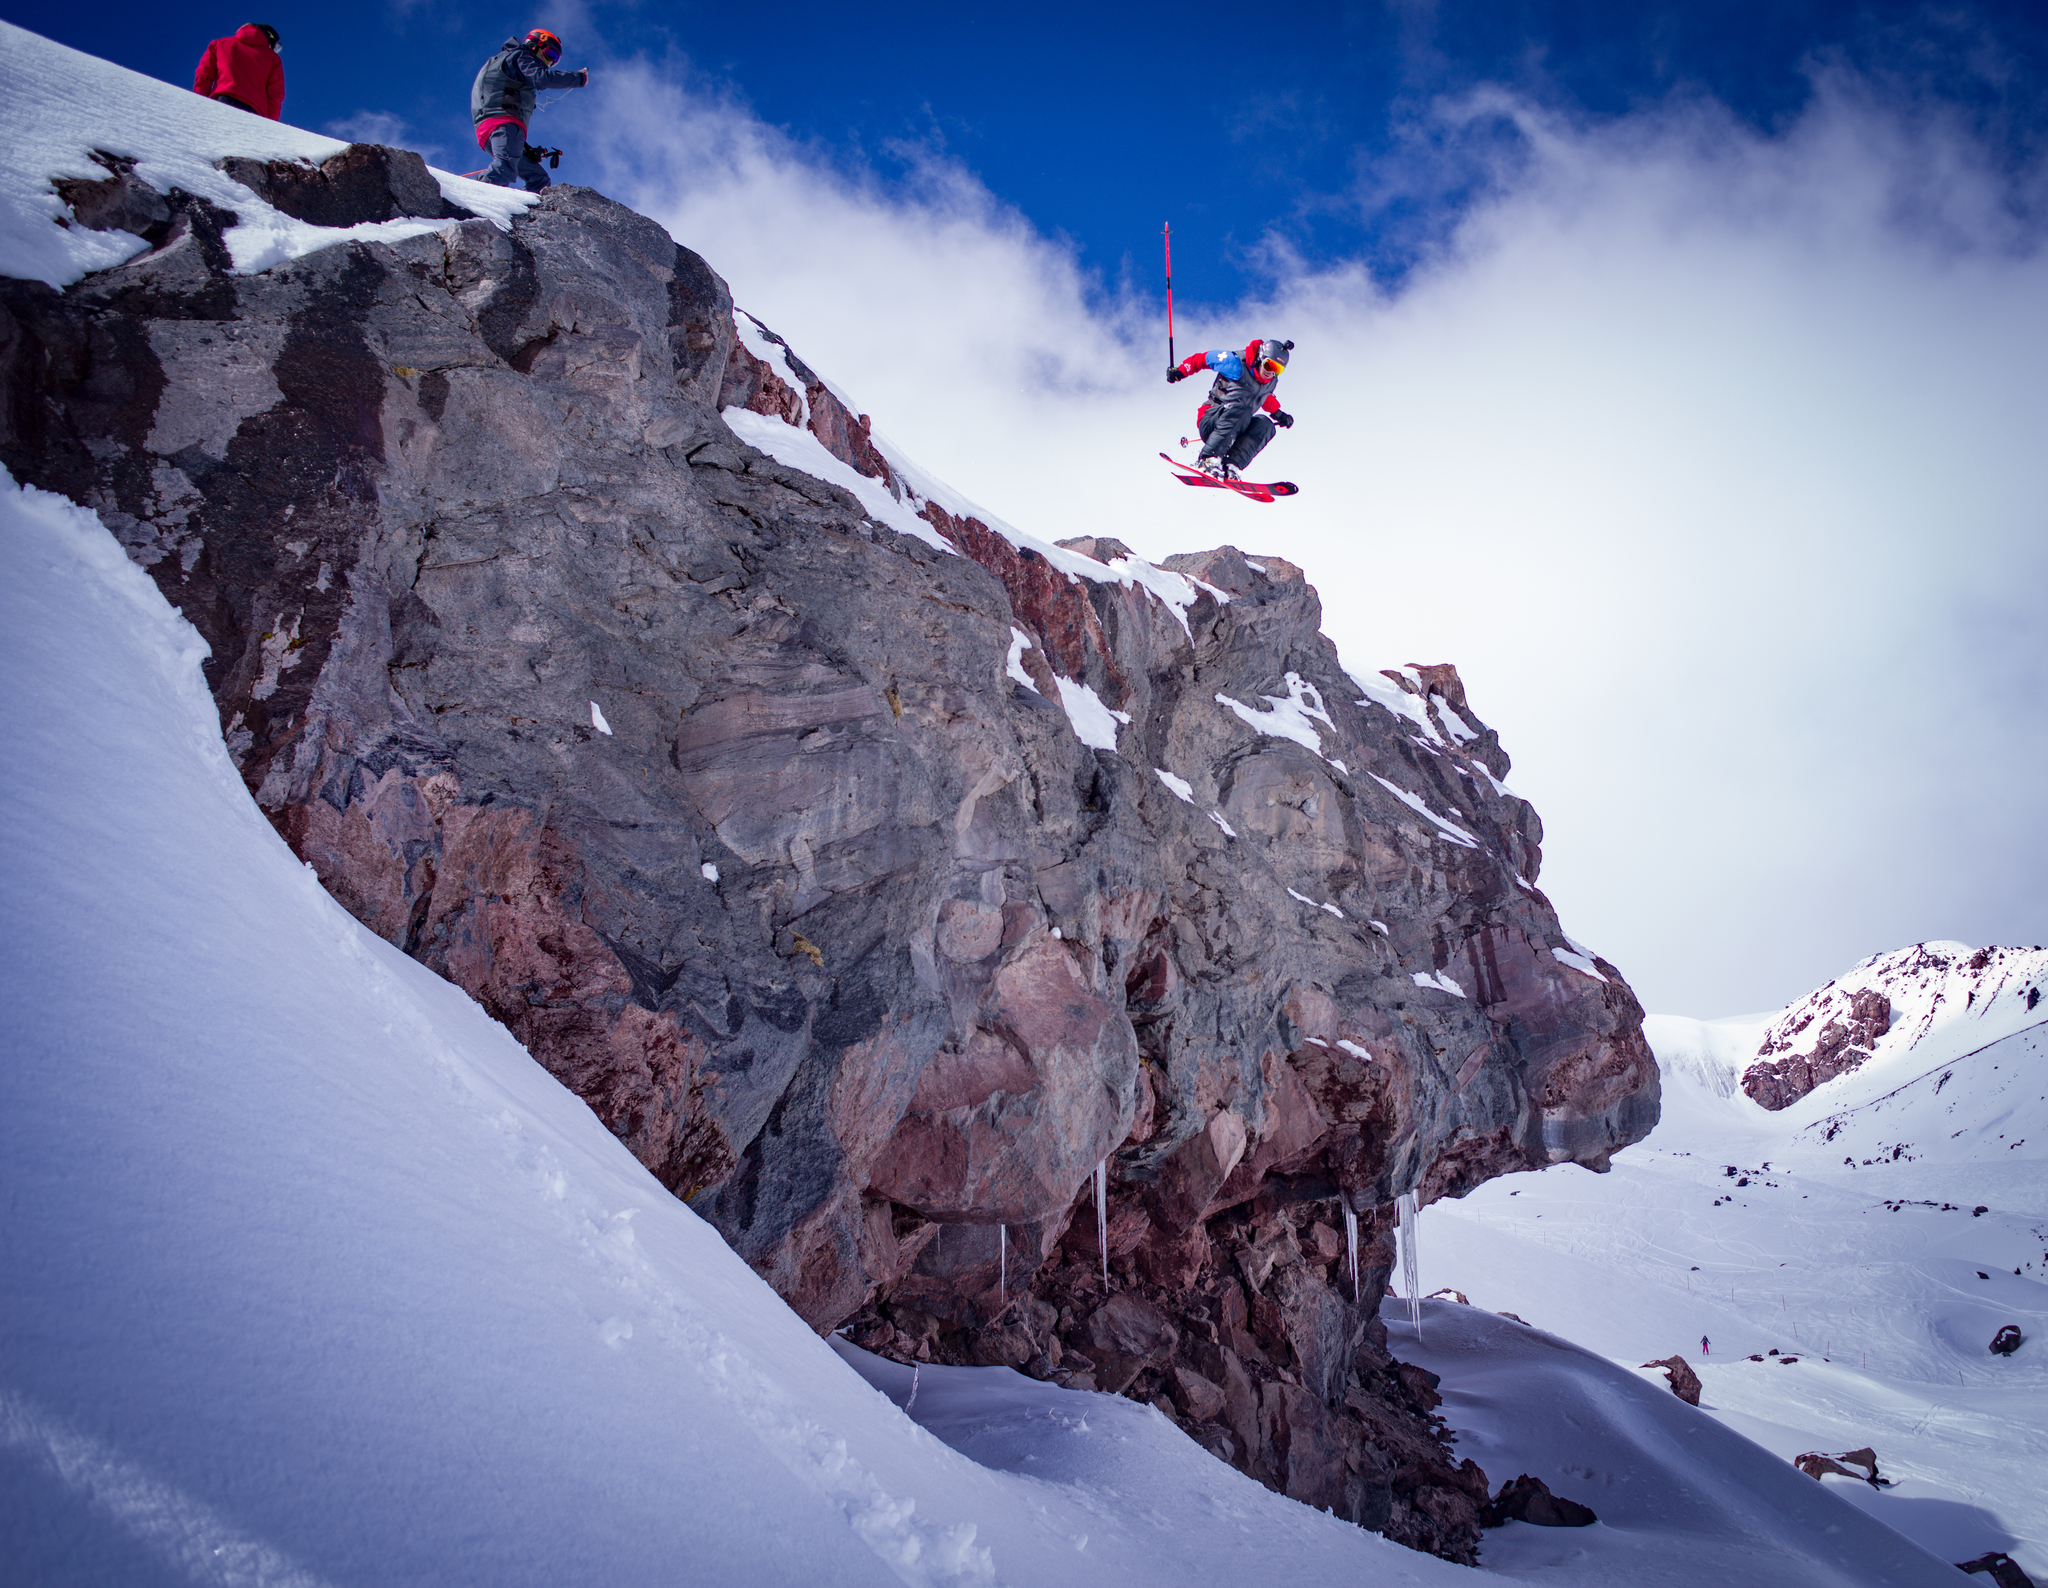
(1188, 474)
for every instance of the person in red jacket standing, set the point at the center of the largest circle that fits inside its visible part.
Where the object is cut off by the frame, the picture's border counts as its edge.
(244, 71)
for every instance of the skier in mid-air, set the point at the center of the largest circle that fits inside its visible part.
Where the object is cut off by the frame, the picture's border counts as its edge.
(501, 103)
(1238, 419)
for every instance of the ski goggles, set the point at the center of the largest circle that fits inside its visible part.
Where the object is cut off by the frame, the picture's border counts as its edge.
(1270, 368)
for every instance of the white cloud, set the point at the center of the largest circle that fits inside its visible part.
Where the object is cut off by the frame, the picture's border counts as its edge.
(1713, 460)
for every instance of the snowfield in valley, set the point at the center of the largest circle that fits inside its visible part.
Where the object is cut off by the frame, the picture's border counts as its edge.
(1843, 1231)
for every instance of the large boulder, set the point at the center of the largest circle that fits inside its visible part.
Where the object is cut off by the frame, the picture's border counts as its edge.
(765, 825)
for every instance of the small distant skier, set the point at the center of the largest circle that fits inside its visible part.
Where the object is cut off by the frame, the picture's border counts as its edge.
(244, 70)
(1238, 419)
(501, 103)
(1704, 1346)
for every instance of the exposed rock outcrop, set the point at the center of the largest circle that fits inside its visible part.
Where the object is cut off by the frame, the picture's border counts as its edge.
(1849, 1024)
(1527, 1499)
(1891, 1003)
(2000, 1567)
(1861, 1464)
(773, 831)
(1679, 1374)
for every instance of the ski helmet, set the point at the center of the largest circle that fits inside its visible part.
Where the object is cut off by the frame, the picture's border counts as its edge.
(1273, 352)
(544, 44)
(269, 33)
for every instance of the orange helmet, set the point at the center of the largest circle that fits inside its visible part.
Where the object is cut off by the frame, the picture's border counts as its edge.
(545, 45)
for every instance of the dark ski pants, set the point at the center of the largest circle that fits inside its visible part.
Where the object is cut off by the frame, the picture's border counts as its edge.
(1237, 451)
(509, 165)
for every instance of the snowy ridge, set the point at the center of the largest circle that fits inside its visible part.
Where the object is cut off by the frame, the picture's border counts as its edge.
(1946, 999)
(58, 105)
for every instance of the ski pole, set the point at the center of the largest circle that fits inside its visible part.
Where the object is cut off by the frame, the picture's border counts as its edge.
(1168, 232)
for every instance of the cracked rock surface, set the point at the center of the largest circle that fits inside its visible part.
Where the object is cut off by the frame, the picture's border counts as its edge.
(728, 801)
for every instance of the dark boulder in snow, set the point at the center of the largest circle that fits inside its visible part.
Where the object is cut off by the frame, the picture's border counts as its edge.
(365, 182)
(1860, 1464)
(1528, 1499)
(775, 809)
(1685, 1383)
(2000, 1567)
(2007, 1340)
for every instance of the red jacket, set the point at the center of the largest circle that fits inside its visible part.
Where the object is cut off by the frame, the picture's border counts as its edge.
(246, 67)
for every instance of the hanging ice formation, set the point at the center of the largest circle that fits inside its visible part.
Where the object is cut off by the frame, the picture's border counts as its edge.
(1411, 1262)
(1351, 1246)
(1002, 1265)
(1102, 1218)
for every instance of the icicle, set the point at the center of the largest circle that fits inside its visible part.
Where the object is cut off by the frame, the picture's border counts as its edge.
(1102, 1218)
(1411, 1262)
(1351, 1246)
(1002, 1265)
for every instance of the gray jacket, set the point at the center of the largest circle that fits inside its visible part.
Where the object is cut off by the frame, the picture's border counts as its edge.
(509, 82)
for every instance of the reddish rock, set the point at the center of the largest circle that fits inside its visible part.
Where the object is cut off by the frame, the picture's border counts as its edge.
(1685, 1383)
(1848, 1463)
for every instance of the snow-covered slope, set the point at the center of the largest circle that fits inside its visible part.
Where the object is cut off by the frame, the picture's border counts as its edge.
(1843, 1230)
(312, 1276)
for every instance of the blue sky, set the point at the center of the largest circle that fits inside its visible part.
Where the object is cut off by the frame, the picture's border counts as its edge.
(1248, 126)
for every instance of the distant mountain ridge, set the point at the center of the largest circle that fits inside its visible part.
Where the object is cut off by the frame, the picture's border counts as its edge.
(1934, 1000)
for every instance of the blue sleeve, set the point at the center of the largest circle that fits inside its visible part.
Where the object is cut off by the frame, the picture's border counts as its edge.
(1228, 364)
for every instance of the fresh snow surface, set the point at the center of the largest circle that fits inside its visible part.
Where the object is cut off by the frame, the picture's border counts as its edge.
(1181, 787)
(1380, 691)
(57, 105)
(1582, 963)
(1094, 723)
(801, 450)
(1681, 1498)
(1292, 716)
(1450, 829)
(1013, 665)
(1854, 1246)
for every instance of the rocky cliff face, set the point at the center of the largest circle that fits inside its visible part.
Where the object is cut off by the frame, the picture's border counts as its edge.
(874, 887)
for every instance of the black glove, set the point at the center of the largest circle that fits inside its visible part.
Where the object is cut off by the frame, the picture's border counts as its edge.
(1283, 419)
(1174, 374)
(585, 75)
